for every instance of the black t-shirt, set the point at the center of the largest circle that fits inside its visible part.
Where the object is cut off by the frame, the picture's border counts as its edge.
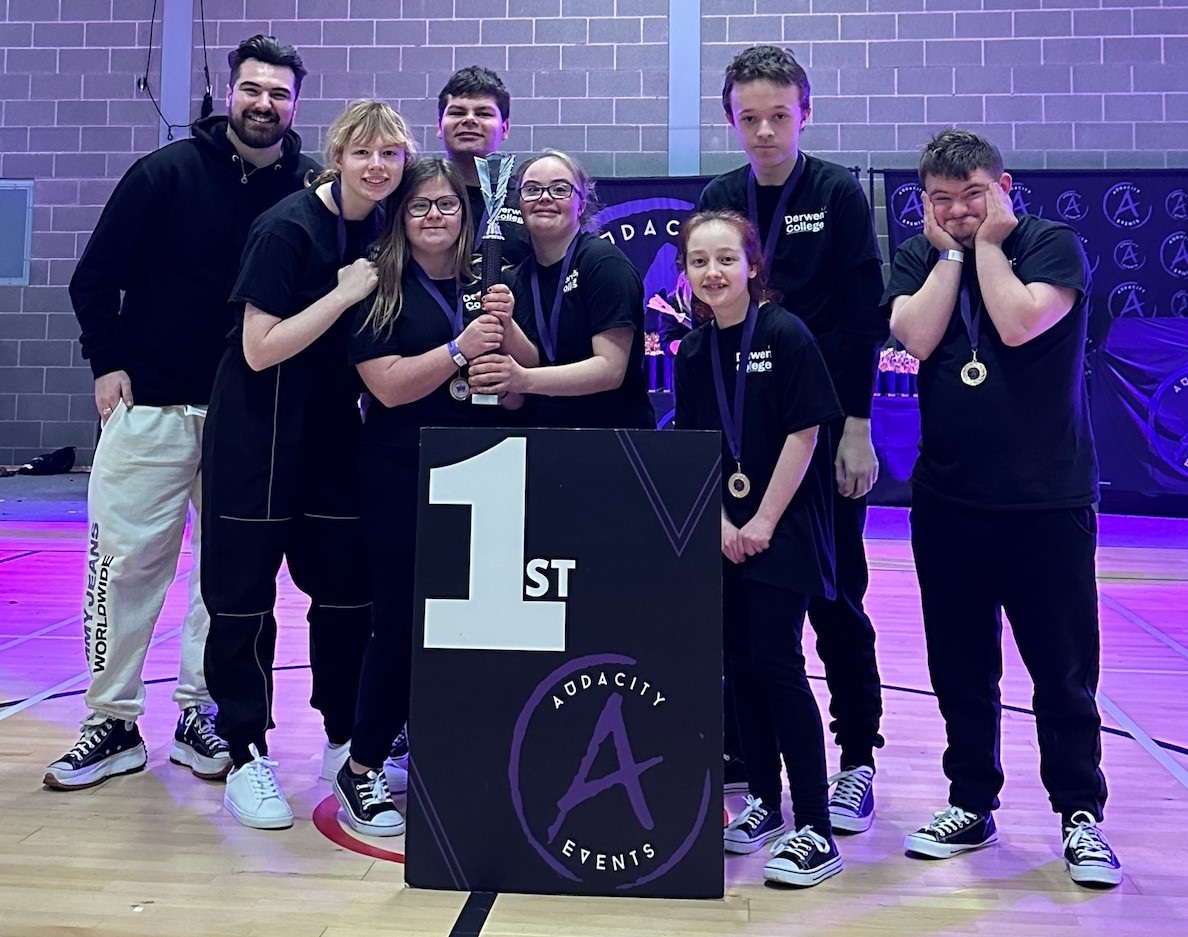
(827, 267)
(420, 327)
(1022, 438)
(787, 390)
(517, 246)
(602, 291)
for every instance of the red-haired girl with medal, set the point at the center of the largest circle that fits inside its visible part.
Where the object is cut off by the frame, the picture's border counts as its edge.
(754, 372)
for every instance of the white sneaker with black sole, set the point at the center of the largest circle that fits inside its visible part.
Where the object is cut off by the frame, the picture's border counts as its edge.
(753, 828)
(367, 802)
(851, 806)
(197, 746)
(254, 797)
(1087, 855)
(111, 748)
(804, 858)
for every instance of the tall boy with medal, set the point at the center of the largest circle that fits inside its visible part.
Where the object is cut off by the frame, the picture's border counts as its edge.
(1004, 494)
(815, 226)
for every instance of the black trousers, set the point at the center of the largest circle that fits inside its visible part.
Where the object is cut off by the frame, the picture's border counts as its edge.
(1038, 567)
(846, 637)
(388, 494)
(762, 630)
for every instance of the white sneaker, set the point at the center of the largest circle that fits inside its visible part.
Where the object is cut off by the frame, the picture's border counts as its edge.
(333, 758)
(254, 798)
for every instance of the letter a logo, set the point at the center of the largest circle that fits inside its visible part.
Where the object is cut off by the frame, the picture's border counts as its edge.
(610, 724)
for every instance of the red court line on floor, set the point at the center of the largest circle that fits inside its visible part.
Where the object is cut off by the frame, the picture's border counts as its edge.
(325, 820)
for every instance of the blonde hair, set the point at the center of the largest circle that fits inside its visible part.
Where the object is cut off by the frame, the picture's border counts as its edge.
(363, 121)
(392, 253)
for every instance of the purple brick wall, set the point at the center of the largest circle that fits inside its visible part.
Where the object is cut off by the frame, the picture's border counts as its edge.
(1055, 82)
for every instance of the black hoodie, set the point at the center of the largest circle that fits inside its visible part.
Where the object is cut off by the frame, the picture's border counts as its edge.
(170, 238)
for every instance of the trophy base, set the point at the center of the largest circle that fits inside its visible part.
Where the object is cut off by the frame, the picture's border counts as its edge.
(485, 400)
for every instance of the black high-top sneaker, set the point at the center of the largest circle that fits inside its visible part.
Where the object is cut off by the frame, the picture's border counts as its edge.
(102, 751)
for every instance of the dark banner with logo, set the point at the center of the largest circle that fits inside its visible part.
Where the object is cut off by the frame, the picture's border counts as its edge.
(566, 717)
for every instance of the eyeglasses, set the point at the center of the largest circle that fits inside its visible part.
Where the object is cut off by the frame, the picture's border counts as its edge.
(446, 204)
(532, 192)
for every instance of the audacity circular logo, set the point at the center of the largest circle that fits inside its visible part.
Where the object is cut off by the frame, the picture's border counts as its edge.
(1128, 255)
(1129, 300)
(1125, 206)
(1022, 198)
(1167, 424)
(1179, 303)
(1176, 205)
(598, 778)
(1071, 205)
(1173, 254)
(907, 205)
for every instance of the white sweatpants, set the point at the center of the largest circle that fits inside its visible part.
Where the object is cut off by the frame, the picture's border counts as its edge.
(144, 477)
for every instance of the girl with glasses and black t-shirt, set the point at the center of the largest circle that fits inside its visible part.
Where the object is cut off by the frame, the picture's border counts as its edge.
(582, 304)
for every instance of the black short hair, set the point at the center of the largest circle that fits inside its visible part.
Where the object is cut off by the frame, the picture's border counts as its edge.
(766, 63)
(474, 81)
(958, 154)
(270, 51)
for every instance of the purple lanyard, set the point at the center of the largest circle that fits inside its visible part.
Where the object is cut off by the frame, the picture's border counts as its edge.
(773, 232)
(969, 315)
(548, 330)
(453, 316)
(732, 422)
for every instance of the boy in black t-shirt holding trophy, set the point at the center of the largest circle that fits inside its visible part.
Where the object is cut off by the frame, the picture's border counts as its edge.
(819, 245)
(1004, 493)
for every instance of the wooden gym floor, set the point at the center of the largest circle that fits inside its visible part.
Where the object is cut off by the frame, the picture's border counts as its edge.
(155, 853)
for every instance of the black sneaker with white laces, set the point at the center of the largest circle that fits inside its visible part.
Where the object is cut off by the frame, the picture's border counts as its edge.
(952, 832)
(1087, 854)
(751, 829)
(197, 746)
(803, 858)
(368, 803)
(851, 807)
(111, 748)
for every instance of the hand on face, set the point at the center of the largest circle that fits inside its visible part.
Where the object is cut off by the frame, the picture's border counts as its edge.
(1000, 217)
(937, 236)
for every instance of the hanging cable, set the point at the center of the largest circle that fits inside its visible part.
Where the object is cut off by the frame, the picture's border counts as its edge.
(142, 83)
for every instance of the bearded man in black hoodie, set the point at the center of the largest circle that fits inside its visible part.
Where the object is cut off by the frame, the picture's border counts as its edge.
(170, 240)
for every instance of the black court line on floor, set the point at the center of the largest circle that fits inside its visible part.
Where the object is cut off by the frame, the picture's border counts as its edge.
(474, 913)
(20, 556)
(912, 691)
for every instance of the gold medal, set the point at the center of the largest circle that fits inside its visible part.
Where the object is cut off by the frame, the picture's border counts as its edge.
(738, 484)
(459, 388)
(973, 373)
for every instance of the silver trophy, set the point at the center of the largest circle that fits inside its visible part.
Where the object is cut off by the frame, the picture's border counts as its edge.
(494, 172)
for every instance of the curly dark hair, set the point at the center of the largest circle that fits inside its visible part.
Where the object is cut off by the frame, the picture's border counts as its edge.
(766, 63)
(474, 81)
(270, 51)
(958, 154)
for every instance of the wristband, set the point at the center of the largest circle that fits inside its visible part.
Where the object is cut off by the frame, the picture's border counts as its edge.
(958, 256)
(456, 353)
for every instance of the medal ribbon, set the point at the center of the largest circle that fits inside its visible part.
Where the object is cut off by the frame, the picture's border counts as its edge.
(548, 330)
(376, 215)
(732, 422)
(773, 232)
(970, 316)
(453, 316)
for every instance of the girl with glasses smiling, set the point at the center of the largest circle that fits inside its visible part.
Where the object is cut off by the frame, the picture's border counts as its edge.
(583, 308)
(410, 343)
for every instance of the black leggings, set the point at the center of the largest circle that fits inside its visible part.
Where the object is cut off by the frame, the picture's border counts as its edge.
(777, 712)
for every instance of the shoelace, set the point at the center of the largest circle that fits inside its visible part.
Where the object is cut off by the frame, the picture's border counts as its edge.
(203, 723)
(1085, 839)
(949, 821)
(89, 739)
(373, 790)
(752, 814)
(851, 787)
(801, 843)
(259, 771)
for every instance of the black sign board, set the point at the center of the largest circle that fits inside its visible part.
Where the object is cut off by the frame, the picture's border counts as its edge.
(566, 722)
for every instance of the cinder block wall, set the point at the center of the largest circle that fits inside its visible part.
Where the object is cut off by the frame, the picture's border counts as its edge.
(1057, 83)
